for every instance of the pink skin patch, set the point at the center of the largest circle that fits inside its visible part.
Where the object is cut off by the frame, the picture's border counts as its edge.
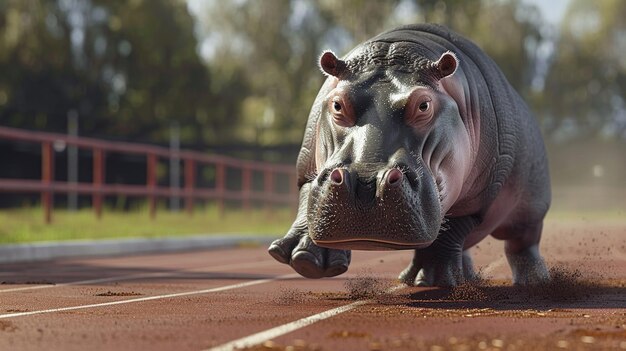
(452, 172)
(499, 211)
(455, 87)
(394, 177)
(320, 156)
(336, 176)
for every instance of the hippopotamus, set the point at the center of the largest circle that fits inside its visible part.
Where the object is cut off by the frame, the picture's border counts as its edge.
(417, 141)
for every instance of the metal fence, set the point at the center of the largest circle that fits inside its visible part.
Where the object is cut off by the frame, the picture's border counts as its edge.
(47, 186)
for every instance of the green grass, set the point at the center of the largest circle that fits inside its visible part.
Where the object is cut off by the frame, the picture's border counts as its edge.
(27, 225)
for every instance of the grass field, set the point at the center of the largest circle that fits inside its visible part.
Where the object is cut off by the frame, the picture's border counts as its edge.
(27, 225)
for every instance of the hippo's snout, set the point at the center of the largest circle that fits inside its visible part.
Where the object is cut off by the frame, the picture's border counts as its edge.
(365, 189)
(391, 208)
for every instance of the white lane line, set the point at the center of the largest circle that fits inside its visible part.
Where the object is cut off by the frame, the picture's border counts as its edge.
(141, 276)
(150, 298)
(166, 296)
(260, 337)
(152, 275)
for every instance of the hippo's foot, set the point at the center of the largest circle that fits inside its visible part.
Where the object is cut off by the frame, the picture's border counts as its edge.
(443, 263)
(434, 269)
(528, 267)
(309, 260)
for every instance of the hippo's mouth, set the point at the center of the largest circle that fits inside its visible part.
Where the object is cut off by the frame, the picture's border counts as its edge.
(388, 213)
(371, 245)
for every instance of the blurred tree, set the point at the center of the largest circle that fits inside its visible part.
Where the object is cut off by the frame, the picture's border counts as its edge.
(508, 31)
(128, 68)
(131, 67)
(277, 44)
(261, 37)
(586, 85)
(39, 84)
(258, 38)
(148, 53)
(360, 19)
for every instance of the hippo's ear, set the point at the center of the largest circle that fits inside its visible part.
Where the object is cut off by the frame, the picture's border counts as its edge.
(446, 65)
(331, 65)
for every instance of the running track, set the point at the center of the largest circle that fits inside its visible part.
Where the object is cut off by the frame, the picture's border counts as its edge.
(241, 298)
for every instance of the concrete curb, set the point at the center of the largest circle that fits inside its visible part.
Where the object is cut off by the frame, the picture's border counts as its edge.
(41, 251)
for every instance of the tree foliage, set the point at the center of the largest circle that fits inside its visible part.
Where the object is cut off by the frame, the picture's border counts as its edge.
(128, 68)
(245, 72)
(586, 85)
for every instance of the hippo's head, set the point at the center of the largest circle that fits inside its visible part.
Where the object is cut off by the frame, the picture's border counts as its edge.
(390, 150)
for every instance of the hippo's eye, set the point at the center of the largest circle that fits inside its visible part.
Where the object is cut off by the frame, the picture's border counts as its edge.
(424, 106)
(420, 107)
(341, 111)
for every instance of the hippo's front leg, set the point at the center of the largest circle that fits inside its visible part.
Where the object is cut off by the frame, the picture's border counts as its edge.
(298, 250)
(444, 263)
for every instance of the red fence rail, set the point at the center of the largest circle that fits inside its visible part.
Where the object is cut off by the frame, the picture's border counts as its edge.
(47, 186)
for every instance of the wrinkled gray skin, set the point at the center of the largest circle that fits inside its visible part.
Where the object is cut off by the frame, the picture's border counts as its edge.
(417, 141)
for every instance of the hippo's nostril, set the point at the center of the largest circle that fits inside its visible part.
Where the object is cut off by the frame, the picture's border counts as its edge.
(336, 176)
(394, 176)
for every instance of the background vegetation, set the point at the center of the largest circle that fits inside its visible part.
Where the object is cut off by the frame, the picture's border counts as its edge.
(239, 76)
(244, 72)
(22, 225)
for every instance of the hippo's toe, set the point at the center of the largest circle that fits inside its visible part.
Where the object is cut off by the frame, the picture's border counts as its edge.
(409, 274)
(337, 262)
(312, 261)
(281, 250)
(442, 275)
(309, 260)
(307, 265)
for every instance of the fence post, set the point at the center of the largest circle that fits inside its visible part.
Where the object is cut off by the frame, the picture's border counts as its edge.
(151, 183)
(246, 186)
(190, 180)
(220, 186)
(47, 176)
(98, 180)
(268, 189)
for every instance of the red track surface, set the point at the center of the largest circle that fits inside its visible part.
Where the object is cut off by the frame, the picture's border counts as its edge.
(201, 300)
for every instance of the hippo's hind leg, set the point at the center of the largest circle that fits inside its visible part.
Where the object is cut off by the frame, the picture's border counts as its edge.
(298, 250)
(522, 253)
(468, 267)
(444, 263)
(415, 275)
